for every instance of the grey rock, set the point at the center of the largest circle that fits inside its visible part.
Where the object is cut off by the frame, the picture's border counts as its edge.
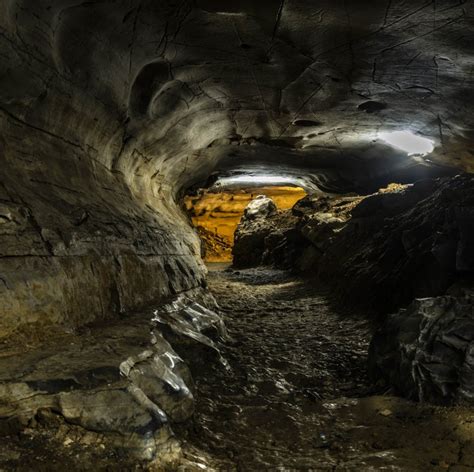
(263, 235)
(378, 252)
(122, 381)
(108, 112)
(426, 350)
(260, 207)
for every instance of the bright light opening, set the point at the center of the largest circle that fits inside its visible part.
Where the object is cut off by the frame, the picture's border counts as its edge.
(408, 142)
(254, 180)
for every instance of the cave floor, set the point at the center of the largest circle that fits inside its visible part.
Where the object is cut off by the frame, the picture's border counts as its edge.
(298, 397)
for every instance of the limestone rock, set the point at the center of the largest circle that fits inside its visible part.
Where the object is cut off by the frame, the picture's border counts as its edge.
(254, 227)
(383, 250)
(264, 235)
(123, 381)
(427, 350)
(403, 244)
(108, 112)
(260, 207)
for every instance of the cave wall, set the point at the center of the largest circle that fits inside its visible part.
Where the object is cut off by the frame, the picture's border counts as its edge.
(77, 245)
(109, 108)
(80, 238)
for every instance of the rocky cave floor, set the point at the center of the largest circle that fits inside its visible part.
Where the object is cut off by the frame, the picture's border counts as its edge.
(296, 398)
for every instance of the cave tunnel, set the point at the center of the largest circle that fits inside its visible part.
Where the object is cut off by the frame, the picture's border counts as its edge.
(322, 149)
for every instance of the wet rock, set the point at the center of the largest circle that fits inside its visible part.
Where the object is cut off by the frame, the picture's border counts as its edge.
(379, 251)
(186, 322)
(427, 350)
(123, 381)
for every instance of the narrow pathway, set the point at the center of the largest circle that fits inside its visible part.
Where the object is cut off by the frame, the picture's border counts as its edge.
(298, 397)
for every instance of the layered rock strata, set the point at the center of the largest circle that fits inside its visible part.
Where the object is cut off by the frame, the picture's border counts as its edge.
(108, 110)
(121, 383)
(381, 252)
(426, 351)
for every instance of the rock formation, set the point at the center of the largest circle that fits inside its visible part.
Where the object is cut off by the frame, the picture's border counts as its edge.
(383, 250)
(111, 110)
(426, 350)
(260, 235)
(380, 252)
(121, 384)
(106, 113)
(216, 213)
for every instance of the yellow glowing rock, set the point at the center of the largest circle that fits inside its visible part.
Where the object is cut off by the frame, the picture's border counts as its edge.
(218, 214)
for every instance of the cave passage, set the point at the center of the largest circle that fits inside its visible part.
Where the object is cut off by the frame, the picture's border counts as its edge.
(216, 214)
(298, 396)
(236, 235)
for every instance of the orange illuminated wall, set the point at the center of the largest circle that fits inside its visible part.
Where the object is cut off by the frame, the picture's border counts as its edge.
(216, 215)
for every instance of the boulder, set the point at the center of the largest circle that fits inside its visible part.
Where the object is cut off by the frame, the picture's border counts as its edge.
(254, 227)
(260, 207)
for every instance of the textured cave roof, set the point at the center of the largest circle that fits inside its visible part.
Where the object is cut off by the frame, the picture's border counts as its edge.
(167, 92)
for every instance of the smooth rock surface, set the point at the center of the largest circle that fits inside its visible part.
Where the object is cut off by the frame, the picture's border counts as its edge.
(121, 381)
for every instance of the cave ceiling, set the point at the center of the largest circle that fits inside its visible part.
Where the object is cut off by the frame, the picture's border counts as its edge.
(166, 93)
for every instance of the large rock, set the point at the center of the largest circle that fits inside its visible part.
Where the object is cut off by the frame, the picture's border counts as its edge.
(403, 244)
(267, 236)
(108, 110)
(121, 382)
(426, 351)
(260, 207)
(256, 224)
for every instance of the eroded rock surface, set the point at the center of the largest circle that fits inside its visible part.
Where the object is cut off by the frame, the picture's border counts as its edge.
(383, 250)
(298, 397)
(404, 244)
(426, 350)
(261, 225)
(108, 110)
(121, 383)
(380, 252)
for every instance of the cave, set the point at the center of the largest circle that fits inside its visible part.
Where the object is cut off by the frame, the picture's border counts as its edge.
(236, 236)
(216, 211)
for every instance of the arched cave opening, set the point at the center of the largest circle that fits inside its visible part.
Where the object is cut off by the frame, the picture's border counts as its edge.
(217, 211)
(341, 338)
